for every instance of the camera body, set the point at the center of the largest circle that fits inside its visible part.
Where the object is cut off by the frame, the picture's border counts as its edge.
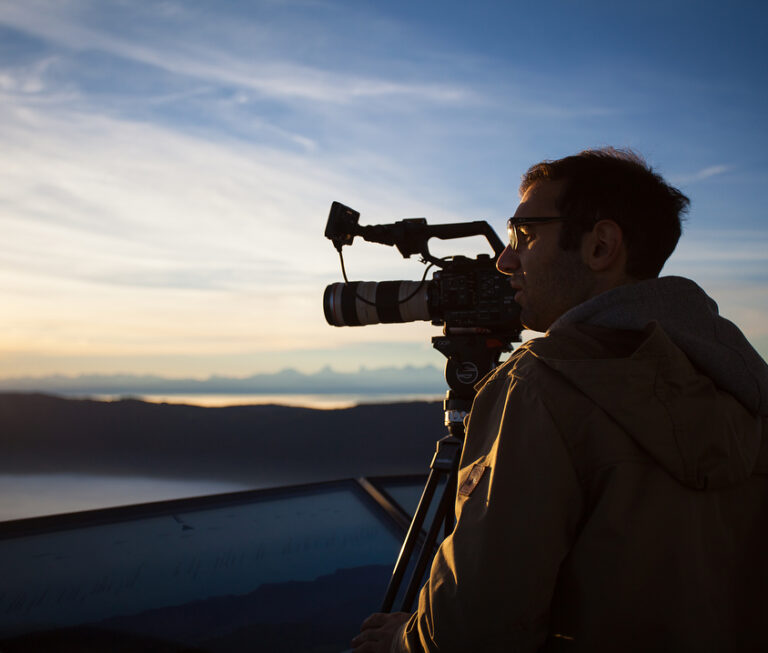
(473, 293)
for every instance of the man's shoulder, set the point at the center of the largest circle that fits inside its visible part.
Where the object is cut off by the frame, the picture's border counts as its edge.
(545, 362)
(581, 342)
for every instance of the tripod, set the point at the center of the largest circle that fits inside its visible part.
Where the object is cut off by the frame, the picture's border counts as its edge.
(471, 355)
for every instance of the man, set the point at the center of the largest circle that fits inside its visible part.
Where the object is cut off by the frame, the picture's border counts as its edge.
(613, 488)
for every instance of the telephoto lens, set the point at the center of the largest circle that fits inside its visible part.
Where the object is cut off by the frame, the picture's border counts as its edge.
(376, 302)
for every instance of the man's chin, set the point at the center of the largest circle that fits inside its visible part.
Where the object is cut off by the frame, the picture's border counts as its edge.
(532, 322)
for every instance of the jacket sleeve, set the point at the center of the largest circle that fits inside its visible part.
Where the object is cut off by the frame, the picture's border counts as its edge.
(492, 580)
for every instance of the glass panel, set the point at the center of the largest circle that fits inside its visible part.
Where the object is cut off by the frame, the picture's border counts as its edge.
(212, 578)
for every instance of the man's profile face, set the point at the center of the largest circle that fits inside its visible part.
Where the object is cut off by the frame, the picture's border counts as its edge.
(549, 280)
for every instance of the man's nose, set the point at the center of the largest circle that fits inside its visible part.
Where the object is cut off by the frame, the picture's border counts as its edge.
(508, 262)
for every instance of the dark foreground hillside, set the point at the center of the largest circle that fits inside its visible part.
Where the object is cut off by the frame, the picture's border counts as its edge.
(261, 445)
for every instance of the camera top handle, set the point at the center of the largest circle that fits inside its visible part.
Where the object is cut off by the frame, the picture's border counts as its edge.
(410, 236)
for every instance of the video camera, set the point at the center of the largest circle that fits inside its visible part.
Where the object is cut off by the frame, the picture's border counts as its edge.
(465, 296)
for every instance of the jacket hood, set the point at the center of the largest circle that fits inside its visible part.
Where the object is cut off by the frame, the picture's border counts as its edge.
(690, 318)
(691, 393)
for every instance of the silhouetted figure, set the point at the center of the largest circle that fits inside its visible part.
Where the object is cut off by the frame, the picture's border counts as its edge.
(613, 488)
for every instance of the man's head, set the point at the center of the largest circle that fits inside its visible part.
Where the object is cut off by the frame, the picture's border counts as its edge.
(616, 222)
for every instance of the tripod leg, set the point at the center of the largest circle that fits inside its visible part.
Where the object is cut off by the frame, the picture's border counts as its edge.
(428, 550)
(443, 463)
(411, 539)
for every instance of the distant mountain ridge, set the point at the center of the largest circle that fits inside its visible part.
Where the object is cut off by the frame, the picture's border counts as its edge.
(401, 380)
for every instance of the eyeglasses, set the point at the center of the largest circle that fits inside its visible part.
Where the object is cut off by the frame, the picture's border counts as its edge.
(513, 224)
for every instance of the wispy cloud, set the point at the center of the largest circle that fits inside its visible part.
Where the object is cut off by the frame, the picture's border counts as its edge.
(131, 237)
(734, 247)
(701, 175)
(278, 78)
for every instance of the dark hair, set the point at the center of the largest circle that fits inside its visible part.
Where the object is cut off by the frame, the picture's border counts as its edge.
(619, 185)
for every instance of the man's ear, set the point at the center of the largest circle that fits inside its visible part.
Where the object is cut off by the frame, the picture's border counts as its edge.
(603, 248)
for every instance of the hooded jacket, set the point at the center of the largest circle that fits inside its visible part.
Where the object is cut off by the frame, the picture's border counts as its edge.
(613, 489)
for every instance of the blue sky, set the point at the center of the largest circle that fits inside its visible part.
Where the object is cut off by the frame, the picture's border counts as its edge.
(169, 166)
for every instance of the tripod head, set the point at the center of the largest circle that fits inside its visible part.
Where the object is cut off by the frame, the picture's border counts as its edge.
(471, 354)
